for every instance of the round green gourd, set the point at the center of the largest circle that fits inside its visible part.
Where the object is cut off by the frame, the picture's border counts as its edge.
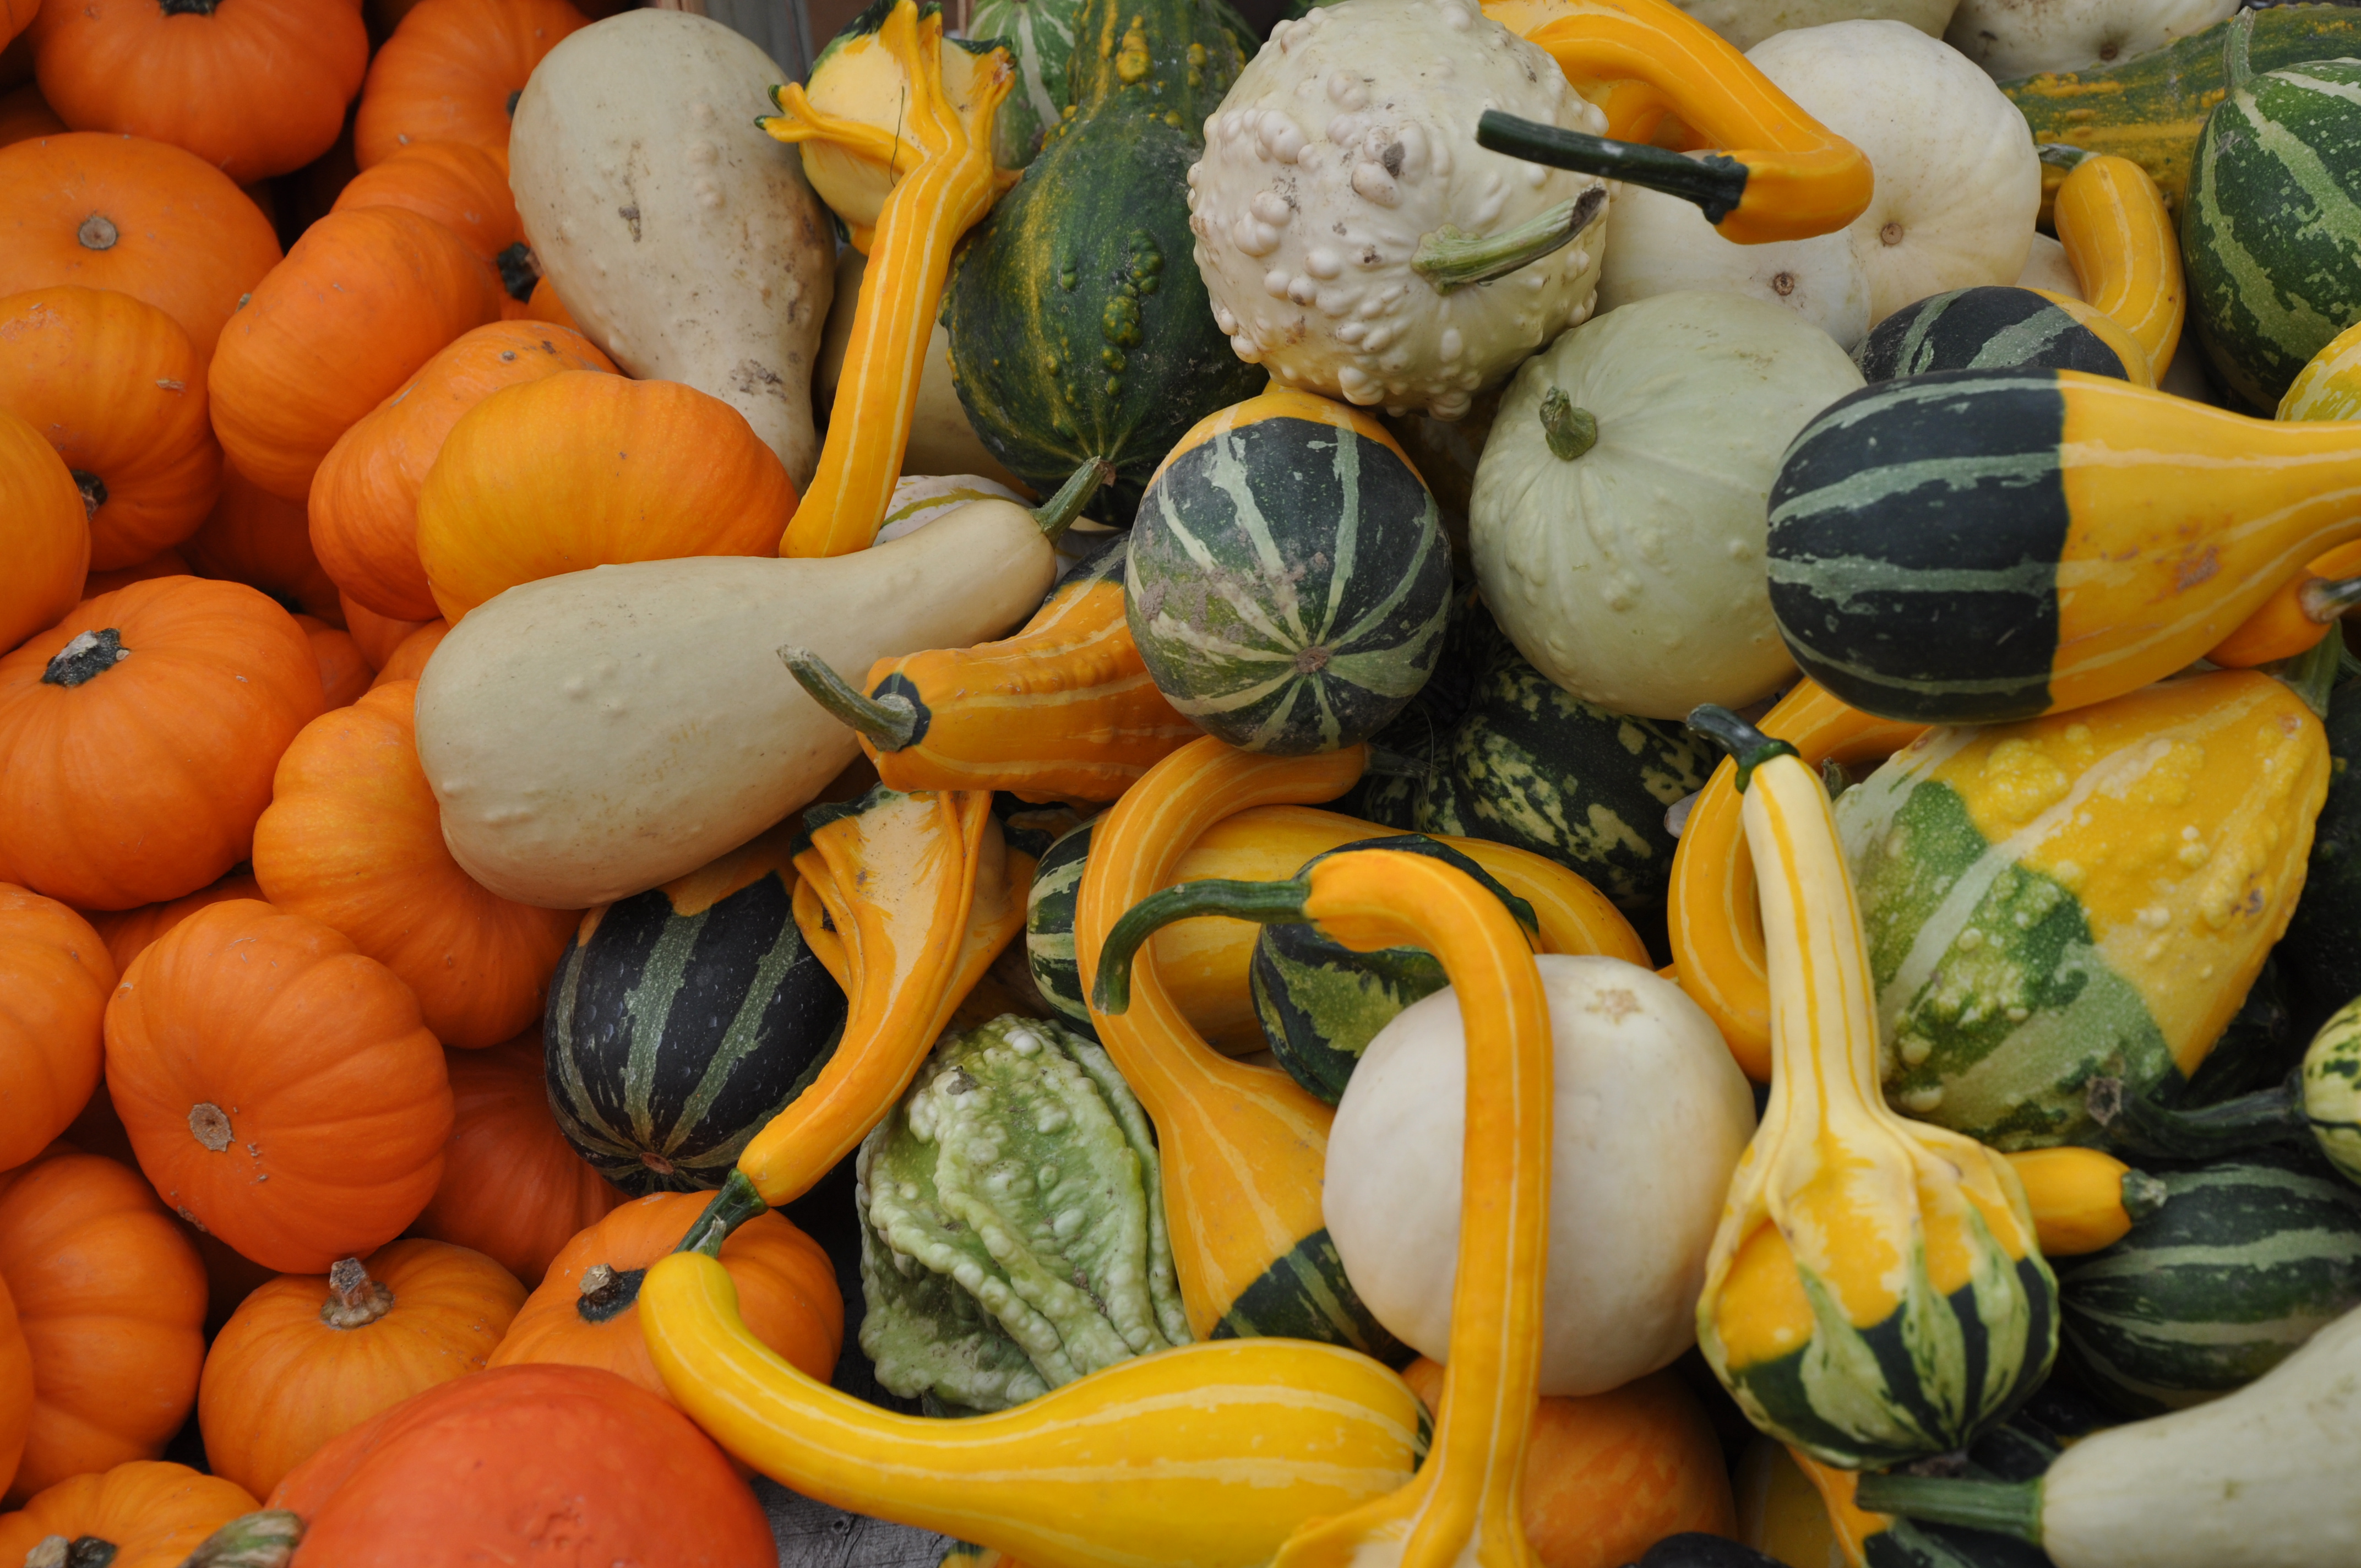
(2331, 1086)
(1987, 328)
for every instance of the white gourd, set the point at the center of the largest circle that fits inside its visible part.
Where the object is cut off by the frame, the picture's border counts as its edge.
(1664, 245)
(1748, 22)
(1632, 574)
(1958, 185)
(2045, 267)
(1651, 1113)
(1346, 144)
(2019, 38)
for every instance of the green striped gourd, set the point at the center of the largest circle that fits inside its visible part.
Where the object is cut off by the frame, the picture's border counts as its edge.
(2323, 949)
(1983, 329)
(2332, 1089)
(1289, 580)
(2084, 895)
(2246, 1260)
(681, 1019)
(1049, 928)
(1040, 35)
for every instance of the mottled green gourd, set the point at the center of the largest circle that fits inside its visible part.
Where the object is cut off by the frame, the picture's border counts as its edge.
(1040, 35)
(1013, 1237)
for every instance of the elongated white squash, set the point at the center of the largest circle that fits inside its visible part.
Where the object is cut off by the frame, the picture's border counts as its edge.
(595, 734)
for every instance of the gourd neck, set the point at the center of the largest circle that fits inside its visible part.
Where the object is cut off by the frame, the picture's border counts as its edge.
(263, 1539)
(88, 656)
(2005, 1508)
(355, 1300)
(607, 1292)
(2272, 1116)
(1263, 902)
(82, 1552)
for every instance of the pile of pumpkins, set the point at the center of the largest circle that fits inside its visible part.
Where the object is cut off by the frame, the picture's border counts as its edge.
(586, 630)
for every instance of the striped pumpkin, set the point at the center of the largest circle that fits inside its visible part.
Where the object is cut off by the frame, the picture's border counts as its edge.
(1983, 329)
(681, 1019)
(2246, 1258)
(1288, 581)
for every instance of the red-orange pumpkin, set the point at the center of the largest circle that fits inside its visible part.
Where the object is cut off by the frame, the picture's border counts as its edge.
(16, 1388)
(55, 974)
(461, 186)
(254, 87)
(452, 71)
(255, 538)
(44, 533)
(138, 738)
(543, 304)
(128, 932)
(113, 384)
(111, 1299)
(363, 299)
(409, 660)
(344, 674)
(377, 635)
(25, 114)
(152, 1513)
(163, 564)
(278, 1085)
(151, 221)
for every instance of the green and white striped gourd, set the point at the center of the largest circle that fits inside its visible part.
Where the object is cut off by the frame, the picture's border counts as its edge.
(1049, 928)
(1990, 328)
(1040, 35)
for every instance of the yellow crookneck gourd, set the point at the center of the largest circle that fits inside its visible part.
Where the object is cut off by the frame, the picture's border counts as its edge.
(1875, 1294)
(2126, 254)
(939, 158)
(2083, 1200)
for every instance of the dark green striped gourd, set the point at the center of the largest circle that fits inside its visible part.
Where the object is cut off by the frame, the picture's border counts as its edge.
(2247, 1257)
(1288, 582)
(1981, 329)
(681, 1019)
(2322, 950)
(1049, 906)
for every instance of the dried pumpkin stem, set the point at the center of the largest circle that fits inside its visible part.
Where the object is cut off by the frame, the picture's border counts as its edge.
(82, 1552)
(355, 1300)
(87, 656)
(890, 723)
(1264, 902)
(607, 1291)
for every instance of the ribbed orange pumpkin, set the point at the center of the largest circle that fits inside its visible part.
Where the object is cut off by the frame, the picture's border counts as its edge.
(128, 932)
(138, 738)
(344, 674)
(55, 975)
(543, 304)
(152, 1513)
(514, 1188)
(377, 635)
(44, 533)
(366, 297)
(364, 503)
(278, 1086)
(255, 538)
(461, 186)
(408, 661)
(578, 470)
(452, 71)
(254, 87)
(163, 564)
(354, 839)
(151, 221)
(16, 1388)
(787, 1292)
(307, 1356)
(25, 114)
(113, 384)
(111, 1298)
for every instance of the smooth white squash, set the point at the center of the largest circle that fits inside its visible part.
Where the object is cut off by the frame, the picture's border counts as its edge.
(1748, 22)
(1663, 244)
(2045, 267)
(2011, 38)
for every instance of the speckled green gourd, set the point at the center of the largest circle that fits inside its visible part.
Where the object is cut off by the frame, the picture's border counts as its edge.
(1013, 1237)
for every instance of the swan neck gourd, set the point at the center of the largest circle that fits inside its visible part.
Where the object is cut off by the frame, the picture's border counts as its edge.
(2125, 251)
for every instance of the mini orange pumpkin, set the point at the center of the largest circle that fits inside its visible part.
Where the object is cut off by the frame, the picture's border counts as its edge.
(543, 304)
(306, 1357)
(344, 674)
(278, 1085)
(44, 533)
(254, 87)
(111, 1299)
(255, 538)
(25, 114)
(409, 660)
(152, 1513)
(576, 471)
(365, 496)
(113, 384)
(376, 635)
(163, 564)
(138, 738)
(15, 1389)
(363, 299)
(128, 932)
(461, 186)
(55, 974)
(452, 71)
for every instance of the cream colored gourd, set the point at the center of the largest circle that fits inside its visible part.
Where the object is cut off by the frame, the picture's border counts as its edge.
(1748, 22)
(1630, 573)
(2013, 38)
(2046, 268)
(941, 439)
(1651, 1116)
(1663, 244)
(685, 241)
(1958, 183)
(597, 733)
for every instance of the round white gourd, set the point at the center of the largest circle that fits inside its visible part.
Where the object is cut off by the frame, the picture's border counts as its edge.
(1632, 575)
(2045, 267)
(2018, 38)
(1748, 22)
(1651, 1113)
(1664, 245)
(1958, 185)
(1345, 143)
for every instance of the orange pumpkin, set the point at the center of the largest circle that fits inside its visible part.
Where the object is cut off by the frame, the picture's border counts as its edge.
(514, 1188)
(147, 220)
(44, 533)
(543, 304)
(113, 384)
(254, 87)
(111, 1298)
(344, 674)
(376, 635)
(153, 1515)
(452, 71)
(577, 470)
(138, 738)
(255, 538)
(306, 1357)
(163, 564)
(365, 297)
(128, 932)
(304, 198)
(365, 498)
(25, 114)
(15, 1389)
(462, 187)
(586, 1311)
(408, 661)
(278, 1086)
(55, 974)
(354, 839)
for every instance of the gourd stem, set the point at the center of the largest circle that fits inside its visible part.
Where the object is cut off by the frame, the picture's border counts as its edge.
(2061, 155)
(1264, 902)
(2236, 65)
(1449, 258)
(1570, 430)
(2325, 599)
(1748, 746)
(738, 1201)
(1058, 513)
(264, 1540)
(355, 1300)
(2312, 675)
(2144, 1195)
(2007, 1507)
(1713, 182)
(2267, 1115)
(890, 723)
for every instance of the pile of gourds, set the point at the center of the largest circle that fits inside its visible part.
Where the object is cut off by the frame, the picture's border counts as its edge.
(1524, 782)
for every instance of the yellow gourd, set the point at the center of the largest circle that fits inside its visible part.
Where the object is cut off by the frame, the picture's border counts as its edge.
(2120, 241)
(2083, 1200)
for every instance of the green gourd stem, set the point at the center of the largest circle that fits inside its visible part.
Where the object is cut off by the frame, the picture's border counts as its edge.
(2236, 43)
(264, 1540)
(89, 655)
(2312, 673)
(1570, 430)
(1449, 258)
(2326, 599)
(2144, 1195)
(1714, 183)
(890, 723)
(2005, 1508)
(738, 1201)
(2267, 1115)
(2061, 155)
(1264, 902)
(1748, 746)
(1058, 513)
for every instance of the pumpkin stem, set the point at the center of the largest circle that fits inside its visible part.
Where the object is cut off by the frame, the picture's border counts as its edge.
(98, 232)
(606, 1291)
(1748, 746)
(1058, 513)
(82, 1552)
(1570, 430)
(94, 491)
(738, 1201)
(83, 659)
(355, 1300)
(208, 1123)
(520, 270)
(190, 7)
(265, 1540)
(1264, 902)
(1450, 259)
(1714, 181)
(2009, 1508)
(890, 720)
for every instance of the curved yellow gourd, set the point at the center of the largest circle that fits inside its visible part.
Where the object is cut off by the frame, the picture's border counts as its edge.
(1712, 914)
(2083, 1200)
(2120, 241)
(2137, 367)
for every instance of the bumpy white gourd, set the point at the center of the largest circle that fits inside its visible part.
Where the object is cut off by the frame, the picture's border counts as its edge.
(1958, 185)
(1345, 143)
(1748, 22)
(1651, 1113)
(2017, 37)
(1632, 573)
(1664, 245)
